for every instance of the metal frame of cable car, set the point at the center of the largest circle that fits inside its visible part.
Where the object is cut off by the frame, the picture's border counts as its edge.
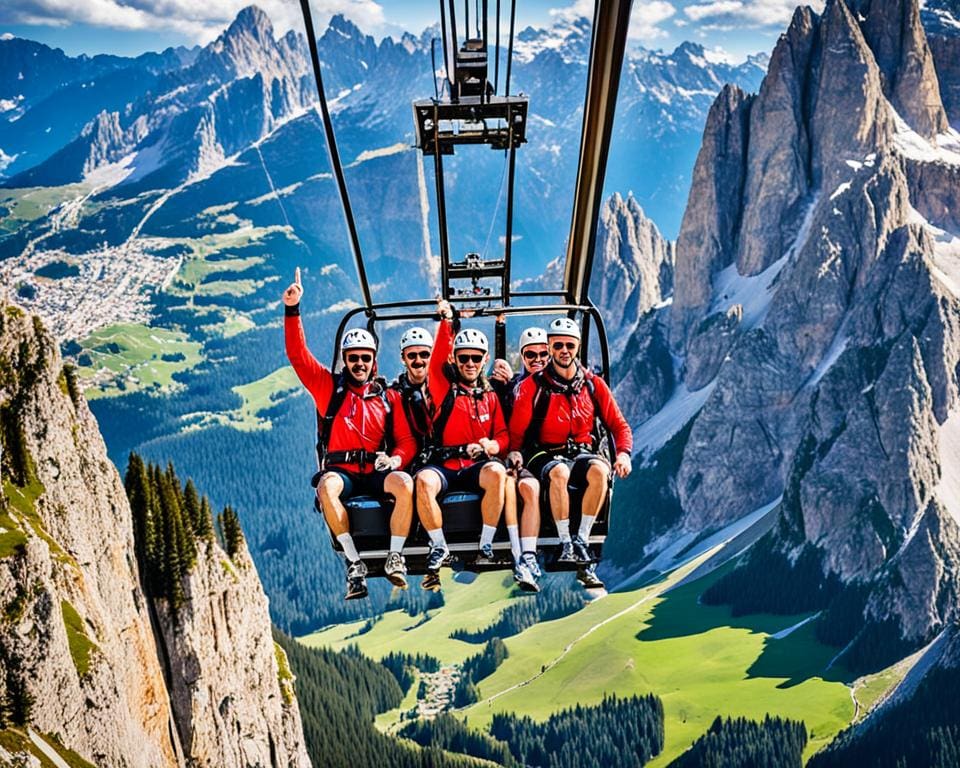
(440, 126)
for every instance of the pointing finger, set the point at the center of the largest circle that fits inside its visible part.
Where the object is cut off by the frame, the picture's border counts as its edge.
(296, 276)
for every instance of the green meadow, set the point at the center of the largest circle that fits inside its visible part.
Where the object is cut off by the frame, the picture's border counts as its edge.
(128, 357)
(700, 660)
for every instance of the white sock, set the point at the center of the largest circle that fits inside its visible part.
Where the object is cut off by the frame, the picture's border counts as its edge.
(437, 538)
(563, 528)
(528, 544)
(586, 525)
(514, 541)
(397, 542)
(486, 535)
(349, 549)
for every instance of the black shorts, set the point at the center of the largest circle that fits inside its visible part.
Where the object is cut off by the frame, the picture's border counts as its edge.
(541, 464)
(467, 479)
(356, 484)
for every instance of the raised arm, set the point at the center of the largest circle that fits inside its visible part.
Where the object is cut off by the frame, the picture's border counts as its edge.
(437, 380)
(312, 373)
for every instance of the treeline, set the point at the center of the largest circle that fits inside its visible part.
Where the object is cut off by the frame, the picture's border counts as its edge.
(400, 664)
(742, 743)
(170, 521)
(922, 732)
(477, 667)
(618, 732)
(340, 694)
(557, 598)
(447, 732)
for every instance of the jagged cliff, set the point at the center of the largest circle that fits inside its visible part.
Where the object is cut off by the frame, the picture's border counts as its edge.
(87, 656)
(817, 321)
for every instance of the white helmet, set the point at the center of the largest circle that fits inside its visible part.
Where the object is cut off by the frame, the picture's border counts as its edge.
(564, 326)
(532, 336)
(470, 338)
(416, 337)
(358, 338)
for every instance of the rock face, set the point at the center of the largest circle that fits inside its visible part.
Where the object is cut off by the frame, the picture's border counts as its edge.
(77, 636)
(633, 267)
(941, 21)
(817, 294)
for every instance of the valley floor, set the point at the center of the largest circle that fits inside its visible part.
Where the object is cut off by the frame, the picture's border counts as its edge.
(700, 660)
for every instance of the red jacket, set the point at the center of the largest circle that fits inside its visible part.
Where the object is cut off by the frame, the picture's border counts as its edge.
(569, 415)
(362, 418)
(471, 417)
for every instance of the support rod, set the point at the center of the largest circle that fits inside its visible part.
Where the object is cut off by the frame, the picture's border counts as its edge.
(610, 25)
(335, 156)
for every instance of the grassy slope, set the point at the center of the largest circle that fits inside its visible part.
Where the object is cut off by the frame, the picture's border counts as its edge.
(140, 357)
(700, 660)
(256, 398)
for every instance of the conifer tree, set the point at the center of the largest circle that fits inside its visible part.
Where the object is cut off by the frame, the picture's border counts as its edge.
(191, 505)
(205, 521)
(230, 531)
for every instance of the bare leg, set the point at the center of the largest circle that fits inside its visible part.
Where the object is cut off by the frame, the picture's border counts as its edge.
(510, 500)
(428, 485)
(329, 489)
(598, 477)
(559, 495)
(493, 479)
(529, 490)
(400, 486)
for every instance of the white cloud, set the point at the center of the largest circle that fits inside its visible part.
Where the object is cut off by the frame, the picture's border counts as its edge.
(200, 20)
(6, 36)
(763, 12)
(645, 19)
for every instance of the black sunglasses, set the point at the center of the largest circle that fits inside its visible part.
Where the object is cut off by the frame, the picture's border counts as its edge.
(464, 359)
(422, 354)
(359, 358)
(536, 355)
(558, 345)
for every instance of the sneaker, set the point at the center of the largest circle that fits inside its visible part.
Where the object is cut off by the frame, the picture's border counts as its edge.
(530, 558)
(582, 551)
(524, 577)
(588, 577)
(431, 581)
(437, 557)
(395, 570)
(487, 556)
(356, 581)
(566, 553)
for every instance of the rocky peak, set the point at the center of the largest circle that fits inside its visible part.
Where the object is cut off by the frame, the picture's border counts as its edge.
(251, 22)
(134, 685)
(633, 268)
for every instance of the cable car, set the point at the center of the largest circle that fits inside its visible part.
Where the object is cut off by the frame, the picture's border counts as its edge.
(471, 110)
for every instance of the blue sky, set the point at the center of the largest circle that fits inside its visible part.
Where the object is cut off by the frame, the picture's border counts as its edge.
(129, 27)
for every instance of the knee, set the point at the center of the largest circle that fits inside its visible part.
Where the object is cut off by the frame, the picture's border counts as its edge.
(493, 475)
(598, 473)
(330, 487)
(428, 484)
(529, 490)
(399, 483)
(560, 474)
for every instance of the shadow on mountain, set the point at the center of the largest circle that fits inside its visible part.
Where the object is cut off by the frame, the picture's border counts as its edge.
(797, 656)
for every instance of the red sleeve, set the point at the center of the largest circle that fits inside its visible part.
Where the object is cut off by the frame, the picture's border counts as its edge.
(313, 375)
(404, 444)
(613, 418)
(522, 412)
(500, 433)
(437, 380)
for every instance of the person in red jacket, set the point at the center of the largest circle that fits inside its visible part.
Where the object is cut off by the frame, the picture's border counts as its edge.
(555, 438)
(368, 419)
(469, 431)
